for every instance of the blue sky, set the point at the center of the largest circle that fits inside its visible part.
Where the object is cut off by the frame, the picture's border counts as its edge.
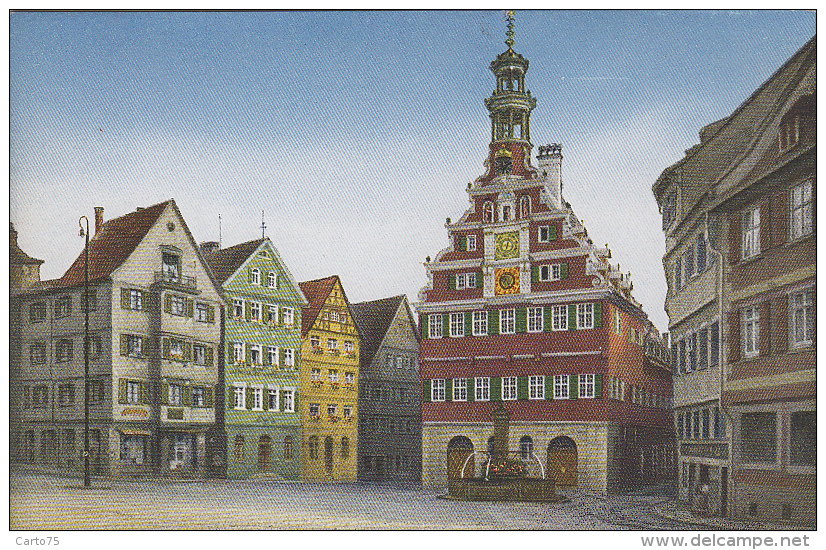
(356, 132)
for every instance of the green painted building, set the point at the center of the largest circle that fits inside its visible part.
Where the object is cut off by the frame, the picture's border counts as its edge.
(262, 353)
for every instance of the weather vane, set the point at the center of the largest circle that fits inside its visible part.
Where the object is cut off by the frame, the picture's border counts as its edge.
(510, 15)
(263, 225)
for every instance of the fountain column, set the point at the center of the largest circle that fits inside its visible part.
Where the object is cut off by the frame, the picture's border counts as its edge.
(501, 426)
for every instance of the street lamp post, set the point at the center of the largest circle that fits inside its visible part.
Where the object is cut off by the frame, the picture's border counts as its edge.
(85, 232)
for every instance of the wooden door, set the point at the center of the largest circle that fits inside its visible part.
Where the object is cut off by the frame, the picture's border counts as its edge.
(562, 461)
(328, 453)
(456, 459)
(264, 453)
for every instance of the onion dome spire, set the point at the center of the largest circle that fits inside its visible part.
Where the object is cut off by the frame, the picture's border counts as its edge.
(510, 16)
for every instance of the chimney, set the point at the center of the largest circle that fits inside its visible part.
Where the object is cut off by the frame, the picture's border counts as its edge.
(210, 247)
(98, 219)
(549, 161)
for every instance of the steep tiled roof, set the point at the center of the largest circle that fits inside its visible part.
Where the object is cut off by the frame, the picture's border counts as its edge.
(316, 293)
(113, 244)
(227, 261)
(374, 319)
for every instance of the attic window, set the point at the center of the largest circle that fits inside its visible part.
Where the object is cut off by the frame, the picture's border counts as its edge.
(262, 254)
(789, 132)
(170, 226)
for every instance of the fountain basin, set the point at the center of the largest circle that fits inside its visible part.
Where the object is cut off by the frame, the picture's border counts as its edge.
(526, 489)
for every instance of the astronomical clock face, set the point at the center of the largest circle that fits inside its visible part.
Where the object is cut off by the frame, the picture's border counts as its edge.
(507, 245)
(507, 281)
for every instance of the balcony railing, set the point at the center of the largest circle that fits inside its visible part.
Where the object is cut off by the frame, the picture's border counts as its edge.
(182, 281)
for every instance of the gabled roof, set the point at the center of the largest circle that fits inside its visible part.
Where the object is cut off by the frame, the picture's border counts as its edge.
(113, 244)
(316, 292)
(374, 319)
(227, 261)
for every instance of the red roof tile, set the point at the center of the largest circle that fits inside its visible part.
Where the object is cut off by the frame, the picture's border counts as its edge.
(316, 293)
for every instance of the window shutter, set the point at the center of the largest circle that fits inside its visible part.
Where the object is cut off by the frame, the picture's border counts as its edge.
(451, 281)
(209, 397)
(573, 386)
(210, 357)
(210, 314)
(598, 386)
(734, 237)
(765, 225)
(563, 270)
(247, 354)
(124, 344)
(281, 354)
(462, 243)
(522, 388)
(781, 324)
(734, 336)
(190, 308)
(765, 329)
(167, 303)
(165, 393)
(552, 235)
(186, 396)
(425, 391)
(144, 393)
(495, 388)
(468, 323)
(534, 274)
(780, 218)
(480, 280)
(249, 275)
(445, 325)
(249, 397)
(548, 320)
(571, 316)
(423, 324)
(701, 252)
(549, 387)
(448, 389)
(493, 321)
(187, 351)
(124, 298)
(229, 397)
(471, 389)
(265, 399)
(166, 348)
(521, 319)
(597, 315)
(122, 391)
(678, 274)
(247, 310)
(295, 401)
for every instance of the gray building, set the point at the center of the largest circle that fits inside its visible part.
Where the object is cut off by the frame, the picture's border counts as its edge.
(390, 405)
(154, 320)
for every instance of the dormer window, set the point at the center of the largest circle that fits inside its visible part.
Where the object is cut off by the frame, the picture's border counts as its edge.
(171, 266)
(524, 206)
(506, 213)
(488, 212)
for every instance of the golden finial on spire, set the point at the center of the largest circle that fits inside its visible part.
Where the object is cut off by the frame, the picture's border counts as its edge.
(510, 15)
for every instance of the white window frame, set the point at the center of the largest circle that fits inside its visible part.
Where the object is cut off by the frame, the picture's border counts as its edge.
(507, 321)
(457, 325)
(471, 243)
(480, 323)
(315, 375)
(258, 398)
(256, 355)
(135, 299)
(289, 357)
(349, 345)
(272, 280)
(751, 330)
(134, 345)
(536, 387)
(238, 308)
(617, 322)
(289, 399)
(550, 272)
(806, 307)
(560, 317)
(175, 394)
(255, 274)
(536, 319)
(133, 392)
(482, 388)
(332, 344)
(800, 211)
(562, 387)
(434, 326)
(256, 309)
(273, 392)
(437, 389)
(750, 231)
(460, 389)
(585, 316)
(273, 355)
(202, 312)
(240, 396)
(587, 385)
(272, 312)
(239, 354)
(288, 316)
(509, 385)
(199, 354)
(349, 377)
(546, 238)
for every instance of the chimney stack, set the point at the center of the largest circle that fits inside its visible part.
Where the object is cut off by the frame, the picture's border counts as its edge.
(98, 219)
(549, 162)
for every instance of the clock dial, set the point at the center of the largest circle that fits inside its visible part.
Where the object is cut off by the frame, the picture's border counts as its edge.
(507, 281)
(507, 245)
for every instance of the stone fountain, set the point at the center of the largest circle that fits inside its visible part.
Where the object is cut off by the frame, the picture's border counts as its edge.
(502, 478)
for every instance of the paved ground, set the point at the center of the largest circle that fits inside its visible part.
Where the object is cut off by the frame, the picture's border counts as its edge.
(44, 501)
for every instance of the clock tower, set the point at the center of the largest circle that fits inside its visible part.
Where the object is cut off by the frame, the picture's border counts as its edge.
(523, 309)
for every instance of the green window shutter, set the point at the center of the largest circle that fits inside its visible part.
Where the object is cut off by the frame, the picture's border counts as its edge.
(445, 325)
(295, 401)
(210, 358)
(166, 348)
(563, 270)
(281, 355)
(522, 388)
(209, 397)
(124, 344)
(521, 319)
(534, 274)
(549, 387)
(249, 275)
(598, 386)
(548, 314)
(247, 311)
(124, 298)
(187, 351)
(144, 392)
(597, 315)
(468, 323)
(122, 391)
(165, 393)
(167, 303)
(186, 396)
(210, 314)
(495, 388)
(462, 243)
(493, 321)
(229, 397)
(451, 281)
(247, 355)
(448, 389)
(573, 386)
(423, 324)
(572, 317)
(471, 389)
(480, 279)
(426, 391)
(552, 235)
(265, 398)
(249, 397)
(190, 308)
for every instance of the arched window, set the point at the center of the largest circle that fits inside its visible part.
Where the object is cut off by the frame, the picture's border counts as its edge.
(239, 447)
(488, 212)
(288, 447)
(313, 444)
(506, 213)
(271, 279)
(345, 448)
(255, 276)
(524, 207)
(526, 447)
